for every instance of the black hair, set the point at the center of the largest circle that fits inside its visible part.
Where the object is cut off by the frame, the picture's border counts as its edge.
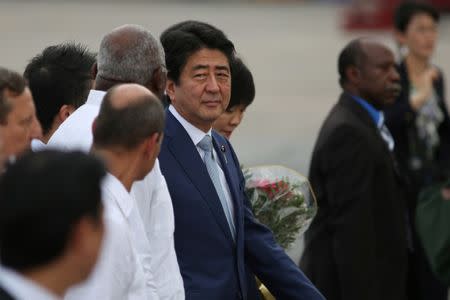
(242, 84)
(11, 82)
(352, 55)
(60, 75)
(182, 40)
(43, 196)
(407, 10)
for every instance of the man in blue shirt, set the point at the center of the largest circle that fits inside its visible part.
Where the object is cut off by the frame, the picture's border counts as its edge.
(357, 245)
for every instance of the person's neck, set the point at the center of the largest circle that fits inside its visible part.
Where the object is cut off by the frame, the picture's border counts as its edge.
(101, 84)
(416, 65)
(54, 277)
(203, 126)
(48, 135)
(355, 93)
(120, 164)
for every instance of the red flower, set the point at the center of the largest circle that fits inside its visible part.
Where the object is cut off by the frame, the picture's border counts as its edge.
(273, 189)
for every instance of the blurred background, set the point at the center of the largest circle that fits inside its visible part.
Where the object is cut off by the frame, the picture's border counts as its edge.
(290, 46)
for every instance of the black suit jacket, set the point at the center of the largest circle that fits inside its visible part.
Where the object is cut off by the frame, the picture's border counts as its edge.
(356, 247)
(4, 295)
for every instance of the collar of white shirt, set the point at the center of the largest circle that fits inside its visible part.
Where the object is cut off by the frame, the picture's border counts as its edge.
(194, 133)
(116, 190)
(22, 288)
(95, 97)
(37, 145)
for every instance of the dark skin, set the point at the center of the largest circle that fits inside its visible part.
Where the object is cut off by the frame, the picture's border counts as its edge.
(375, 78)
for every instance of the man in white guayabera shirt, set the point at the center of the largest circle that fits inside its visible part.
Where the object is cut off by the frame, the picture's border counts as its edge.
(131, 54)
(127, 135)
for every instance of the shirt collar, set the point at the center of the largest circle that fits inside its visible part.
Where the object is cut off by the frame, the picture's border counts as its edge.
(376, 115)
(114, 189)
(21, 287)
(194, 133)
(95, 97)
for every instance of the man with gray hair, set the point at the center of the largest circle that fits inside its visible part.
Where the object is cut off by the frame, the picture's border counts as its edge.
(130, 54)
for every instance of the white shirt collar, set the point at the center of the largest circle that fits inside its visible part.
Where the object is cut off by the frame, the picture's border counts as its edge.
(22, 288)
(37, 145)
(116, 190)
(95, 97)
(194, 133)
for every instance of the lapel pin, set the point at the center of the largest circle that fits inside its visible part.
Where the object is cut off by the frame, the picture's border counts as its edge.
(222, 149)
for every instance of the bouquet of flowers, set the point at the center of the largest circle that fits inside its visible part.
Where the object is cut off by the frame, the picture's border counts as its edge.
(282, 200)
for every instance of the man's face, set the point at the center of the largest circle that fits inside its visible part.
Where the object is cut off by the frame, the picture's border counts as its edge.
(21, 124)
(203, 92)
(378, 79)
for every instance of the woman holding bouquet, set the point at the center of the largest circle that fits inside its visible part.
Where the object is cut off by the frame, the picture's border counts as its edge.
(419, 121)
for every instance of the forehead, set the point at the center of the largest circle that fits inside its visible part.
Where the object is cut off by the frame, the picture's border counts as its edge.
(421, 18)
(19, 102)
(377, 54)
(211, 58)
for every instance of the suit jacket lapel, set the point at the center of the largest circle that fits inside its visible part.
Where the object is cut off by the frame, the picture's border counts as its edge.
(185, 152)
(364, 116)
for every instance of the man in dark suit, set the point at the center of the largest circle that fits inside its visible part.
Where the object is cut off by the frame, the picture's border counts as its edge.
(357, 246)
(219, 243)
(51, 224)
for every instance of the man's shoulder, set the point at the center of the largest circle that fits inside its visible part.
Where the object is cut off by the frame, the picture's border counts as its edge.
(75, 131)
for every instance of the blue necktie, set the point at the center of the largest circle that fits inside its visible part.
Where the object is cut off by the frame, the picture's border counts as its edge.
(206, 145)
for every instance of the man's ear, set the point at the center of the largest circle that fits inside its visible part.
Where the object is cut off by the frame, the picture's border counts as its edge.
(353, 74)
(65, 111)
(158, 82)
(94, 70)
(170, 89)
(150, 144)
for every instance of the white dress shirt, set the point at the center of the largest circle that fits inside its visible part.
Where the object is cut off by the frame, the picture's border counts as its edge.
(122, 271)
(151, 195)
(75, 133)
(21, 288)
(196, 136)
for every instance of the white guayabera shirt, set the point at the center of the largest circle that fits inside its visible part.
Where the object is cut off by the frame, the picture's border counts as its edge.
(151, 195)
(119, 273)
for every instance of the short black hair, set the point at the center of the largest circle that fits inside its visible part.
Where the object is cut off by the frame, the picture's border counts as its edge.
(352, 55)
(130, 125)
(242, 85)
(13, 83)
(407, 10)
(60, 75)
(183, 39)
(43, 195)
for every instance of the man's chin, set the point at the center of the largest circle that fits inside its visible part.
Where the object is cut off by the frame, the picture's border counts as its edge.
(388, 102)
